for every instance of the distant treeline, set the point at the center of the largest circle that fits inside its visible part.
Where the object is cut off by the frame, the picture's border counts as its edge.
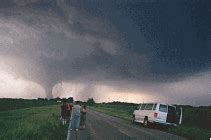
(10, 104)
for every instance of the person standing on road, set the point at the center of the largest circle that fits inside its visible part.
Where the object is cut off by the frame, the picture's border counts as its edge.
(75, 117)
(83, 116)
(64, 113)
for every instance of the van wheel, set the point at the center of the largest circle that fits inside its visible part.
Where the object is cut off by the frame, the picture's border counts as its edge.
(146, 123)
(133, 119)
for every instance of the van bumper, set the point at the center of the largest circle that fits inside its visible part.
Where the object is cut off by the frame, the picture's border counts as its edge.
(164, 123)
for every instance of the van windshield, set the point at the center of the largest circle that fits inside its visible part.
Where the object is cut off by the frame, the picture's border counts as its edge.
(163, 108)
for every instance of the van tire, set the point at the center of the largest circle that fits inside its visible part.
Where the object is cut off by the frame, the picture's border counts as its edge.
(146, 123)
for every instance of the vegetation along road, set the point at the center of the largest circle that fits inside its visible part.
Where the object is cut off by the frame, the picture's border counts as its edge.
(19, 120)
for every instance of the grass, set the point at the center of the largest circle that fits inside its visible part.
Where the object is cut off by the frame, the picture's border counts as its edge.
(117, 110)
(113, 112)
(36, 123)
(187, 130)
(190, 132)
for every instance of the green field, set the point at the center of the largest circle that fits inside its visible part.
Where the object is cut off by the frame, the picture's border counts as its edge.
(20, 121)
(195, 125)
(36, 123)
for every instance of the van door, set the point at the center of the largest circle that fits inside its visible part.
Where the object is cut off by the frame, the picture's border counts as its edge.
(149, 112)
(142, 112)
(179, 115)
(137, 113)
(180, 120)
(172, 115)
(162, 113)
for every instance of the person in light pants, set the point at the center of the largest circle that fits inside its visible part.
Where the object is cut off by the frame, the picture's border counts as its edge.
(75, 117)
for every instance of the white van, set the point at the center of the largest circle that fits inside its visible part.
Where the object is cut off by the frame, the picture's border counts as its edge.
(157, 113)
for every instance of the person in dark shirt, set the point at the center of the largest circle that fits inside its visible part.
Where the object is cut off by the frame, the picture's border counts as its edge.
(64, 112)
(69, 110)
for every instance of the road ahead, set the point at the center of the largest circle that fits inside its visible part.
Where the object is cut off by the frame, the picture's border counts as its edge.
(104, 127)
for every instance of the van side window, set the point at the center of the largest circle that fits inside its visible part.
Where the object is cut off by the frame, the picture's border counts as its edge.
(163, 108)
(138, 107)
(154, 107)
(143, 106)
(149, 107)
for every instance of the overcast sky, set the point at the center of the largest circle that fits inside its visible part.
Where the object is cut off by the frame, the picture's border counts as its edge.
(113, 50)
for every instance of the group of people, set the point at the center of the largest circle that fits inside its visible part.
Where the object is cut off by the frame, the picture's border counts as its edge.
(75, 113)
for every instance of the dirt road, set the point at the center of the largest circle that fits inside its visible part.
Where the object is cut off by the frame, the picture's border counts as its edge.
(104, 127)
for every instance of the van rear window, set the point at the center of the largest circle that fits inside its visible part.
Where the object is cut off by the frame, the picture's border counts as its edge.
(163, 108)
(154, 107)
(149, 107)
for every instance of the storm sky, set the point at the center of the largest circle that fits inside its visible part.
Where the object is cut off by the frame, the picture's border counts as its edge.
(111, 50)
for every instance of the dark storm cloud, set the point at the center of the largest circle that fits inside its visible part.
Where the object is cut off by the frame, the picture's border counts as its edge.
(50, 36)
(175, 36)
(156, 41)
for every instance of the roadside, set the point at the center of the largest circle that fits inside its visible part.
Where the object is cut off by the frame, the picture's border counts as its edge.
(32, 123)
(190, 132)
